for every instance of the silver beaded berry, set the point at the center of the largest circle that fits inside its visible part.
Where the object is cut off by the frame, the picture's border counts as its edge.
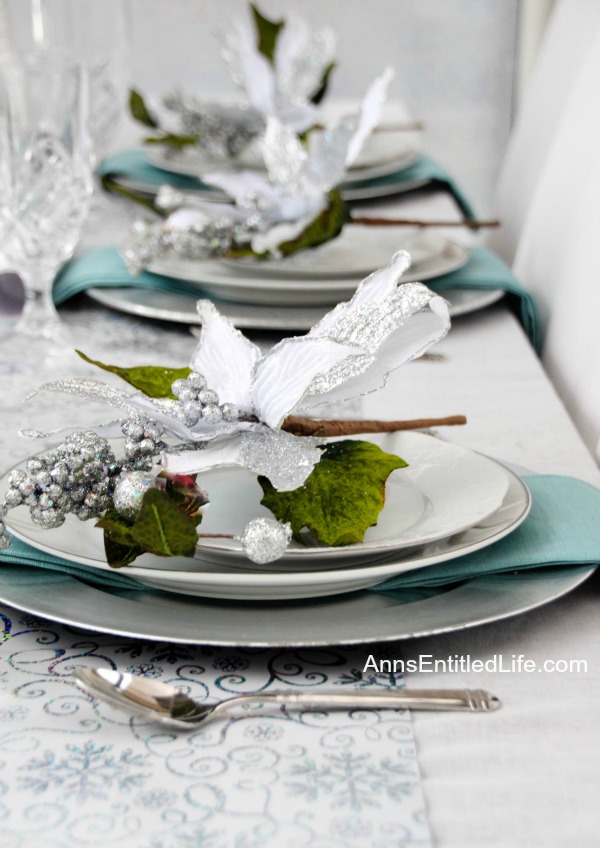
(77, 477)
(199, 402)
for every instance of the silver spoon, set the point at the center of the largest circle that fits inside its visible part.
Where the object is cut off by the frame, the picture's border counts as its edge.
(164, 703)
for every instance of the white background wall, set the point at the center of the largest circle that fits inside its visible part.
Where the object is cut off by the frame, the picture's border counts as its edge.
(454, 62)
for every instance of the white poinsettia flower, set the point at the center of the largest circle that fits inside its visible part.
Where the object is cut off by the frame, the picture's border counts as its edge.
(349, 353)
(283, 88)
(294, 189)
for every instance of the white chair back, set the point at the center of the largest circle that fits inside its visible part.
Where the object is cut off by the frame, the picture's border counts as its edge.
(549, 202)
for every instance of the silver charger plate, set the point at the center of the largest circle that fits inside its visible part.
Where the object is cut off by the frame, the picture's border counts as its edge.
(346, 619)
(166, 306)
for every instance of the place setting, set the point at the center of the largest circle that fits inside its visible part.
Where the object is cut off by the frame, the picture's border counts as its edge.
(291, 504)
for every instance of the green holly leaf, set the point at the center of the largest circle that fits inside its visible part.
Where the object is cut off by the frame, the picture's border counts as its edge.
(139, 110)
(162, 528)
(322, 89)
(120, 546)
(155, 381)
(326, 226)
(341, 498)
(267, 33)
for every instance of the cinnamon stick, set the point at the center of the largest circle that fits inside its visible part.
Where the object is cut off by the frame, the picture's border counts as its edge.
(413, 222)
(314, 427)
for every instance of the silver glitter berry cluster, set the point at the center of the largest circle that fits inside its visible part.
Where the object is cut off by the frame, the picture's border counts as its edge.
(199, 402)
(76, 478)
(142, 442)
(151, 241)
(223, 131)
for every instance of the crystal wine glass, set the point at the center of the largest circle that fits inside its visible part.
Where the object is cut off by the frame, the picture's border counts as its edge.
(46, 184)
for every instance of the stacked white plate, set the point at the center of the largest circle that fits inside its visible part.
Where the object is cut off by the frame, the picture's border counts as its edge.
(448, 502)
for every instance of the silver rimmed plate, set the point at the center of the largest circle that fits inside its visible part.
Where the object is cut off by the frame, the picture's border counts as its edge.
(167, 306)
(228, 283)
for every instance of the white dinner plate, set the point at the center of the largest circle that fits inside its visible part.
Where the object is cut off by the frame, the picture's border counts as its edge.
(225, 581)
(359, 617)
(188, 162)
(356, 252)
(166, 306)
(226, 283)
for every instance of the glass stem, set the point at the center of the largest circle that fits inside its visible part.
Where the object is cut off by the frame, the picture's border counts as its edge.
(39, 317)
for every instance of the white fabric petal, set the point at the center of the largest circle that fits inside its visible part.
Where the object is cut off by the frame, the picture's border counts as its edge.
(283, 377)
(254, 72)
(225, 357)
(292, 43)
(284, 154)
(225, 451)
(370, 113)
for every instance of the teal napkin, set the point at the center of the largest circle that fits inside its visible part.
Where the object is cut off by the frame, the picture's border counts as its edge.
(104, 268)
(20, 553)
(133, 165)
(562, 529)
(485, 270)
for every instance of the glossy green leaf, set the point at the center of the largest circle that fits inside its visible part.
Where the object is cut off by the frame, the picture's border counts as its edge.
(153, 380)
(325, 227)
(267, 33)
(139, 110)
(341, 498)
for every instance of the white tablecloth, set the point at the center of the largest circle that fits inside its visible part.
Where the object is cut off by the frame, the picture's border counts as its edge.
(525, 776)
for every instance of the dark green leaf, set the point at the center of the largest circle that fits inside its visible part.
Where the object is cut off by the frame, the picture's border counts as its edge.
(322, 89)
(139, 110)
(119, 544)
(325, 227)
(342, 497)
(110, 184)
(173, 140)
(162, 528)
(267, 33)
(153, 380)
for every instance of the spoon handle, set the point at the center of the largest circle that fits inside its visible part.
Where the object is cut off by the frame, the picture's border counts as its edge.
(469, 700)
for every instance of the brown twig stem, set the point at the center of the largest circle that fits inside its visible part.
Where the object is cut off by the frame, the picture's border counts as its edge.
(413, 222)
(313, 427)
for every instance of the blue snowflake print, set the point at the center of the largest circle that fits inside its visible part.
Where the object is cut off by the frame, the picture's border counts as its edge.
(87, 772)
(351, 780)
(190, 836)
(264, 732)
(13, 713)
(231, 663)
(153, 672)
(157, 798)
(361, 680)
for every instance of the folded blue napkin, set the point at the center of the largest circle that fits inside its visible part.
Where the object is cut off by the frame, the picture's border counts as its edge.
(562, 529)
(104, 268)
(133, 165)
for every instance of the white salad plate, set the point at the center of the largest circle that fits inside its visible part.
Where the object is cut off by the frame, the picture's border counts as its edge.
(356, 252)
(83, 543)
(227, 283)
(181, 309)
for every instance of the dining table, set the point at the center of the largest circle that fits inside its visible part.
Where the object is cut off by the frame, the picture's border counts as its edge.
(75, 771)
